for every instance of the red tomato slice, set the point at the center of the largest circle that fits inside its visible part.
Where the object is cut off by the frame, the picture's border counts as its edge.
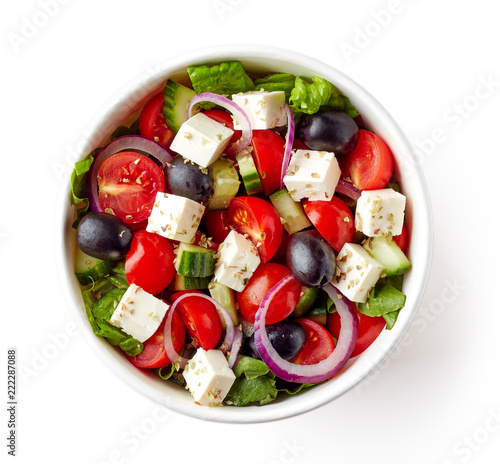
(263, 279)
(369, 329)
(333, 219)
(153, 355)
(217, 225)
(268, 152)
(370, 164)
(258, 219)
(150, 262)
(152, 123)
(128, 183)
(201, 319)
(319, 343)
(402, 239)
(224, 118)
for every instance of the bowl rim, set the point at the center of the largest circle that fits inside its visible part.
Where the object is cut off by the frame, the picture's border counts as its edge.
(293, 405)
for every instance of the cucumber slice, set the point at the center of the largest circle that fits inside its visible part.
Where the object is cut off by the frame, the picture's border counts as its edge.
(190, 283)
(249, 174)
(226, 297)
(176, 99)
(89, 269)
(226, 183)
(194, 261)
(291, 211)
(384, 250)
(307, 299)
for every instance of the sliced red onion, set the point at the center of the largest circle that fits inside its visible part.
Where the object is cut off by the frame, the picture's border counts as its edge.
(290, 135)
(347, 189)
(322, 370)
(235, 348)
(125, 143)
(233, 108)
(175, 357)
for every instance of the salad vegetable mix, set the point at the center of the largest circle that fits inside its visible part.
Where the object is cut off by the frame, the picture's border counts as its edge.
(243, 236)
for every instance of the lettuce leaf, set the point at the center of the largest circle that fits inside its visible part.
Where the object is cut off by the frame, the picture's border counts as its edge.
(310, 97)
(100, 302)
(383, 299)
(223, 79)
(78, 182)
(254, 383)
(276, 82)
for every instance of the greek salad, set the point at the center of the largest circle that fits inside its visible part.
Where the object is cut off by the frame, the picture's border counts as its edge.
(243, 235)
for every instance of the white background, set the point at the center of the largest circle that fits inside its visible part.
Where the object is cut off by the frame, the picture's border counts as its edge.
(435, 67)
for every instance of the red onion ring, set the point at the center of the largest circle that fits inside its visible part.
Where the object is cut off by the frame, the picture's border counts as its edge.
(238, 113)
(348, 190)
(235, 348)
(125, 143)
(290, 135)
(175, 357)
(312, 373)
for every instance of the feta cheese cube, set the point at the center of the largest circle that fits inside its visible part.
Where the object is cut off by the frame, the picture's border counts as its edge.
(312, 174)
(357, 272)
(175, 217)
(380, 212)
(139, 313)
(201, 139)
(208, 377)
(265, 110)
(238, 259)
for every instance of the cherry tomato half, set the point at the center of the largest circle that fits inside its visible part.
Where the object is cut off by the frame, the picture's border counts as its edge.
(223, 117)
(370, 164)
(128, 183)
(150, 262)
(257, 218)
(263, 279)
(153, 355)
(268, 151)
(333, 220)
(319, 343)
(217, 225)
(402, 239)
(201, 319)
(369, 329)
(152, 123)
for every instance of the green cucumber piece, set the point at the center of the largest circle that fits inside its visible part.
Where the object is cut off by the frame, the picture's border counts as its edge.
(190, 283)
(176, 99)
(291, 211)
(226, 183)
(385, 250)
(306, 301)
(89, 269)
(249, 174)
(194, 261)
(226, 297)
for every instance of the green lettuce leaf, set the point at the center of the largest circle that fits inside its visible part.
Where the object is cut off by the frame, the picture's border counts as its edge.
(223, 79)
(100, 302)
(78, 182)
(310, 97)
(254, 383)
(383, 299)
(276, 82)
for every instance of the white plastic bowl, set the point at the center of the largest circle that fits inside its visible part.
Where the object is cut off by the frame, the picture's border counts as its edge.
(418, 216)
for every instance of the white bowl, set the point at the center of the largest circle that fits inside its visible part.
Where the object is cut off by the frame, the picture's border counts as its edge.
(418, 217)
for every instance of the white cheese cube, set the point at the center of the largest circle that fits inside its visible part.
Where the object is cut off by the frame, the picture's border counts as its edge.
(265, 110)
(139, 313)
(357, 272)
(175, 217)
(208, 377)
(238, 259)
(201, 139)
(380, 212)
(312, 174)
